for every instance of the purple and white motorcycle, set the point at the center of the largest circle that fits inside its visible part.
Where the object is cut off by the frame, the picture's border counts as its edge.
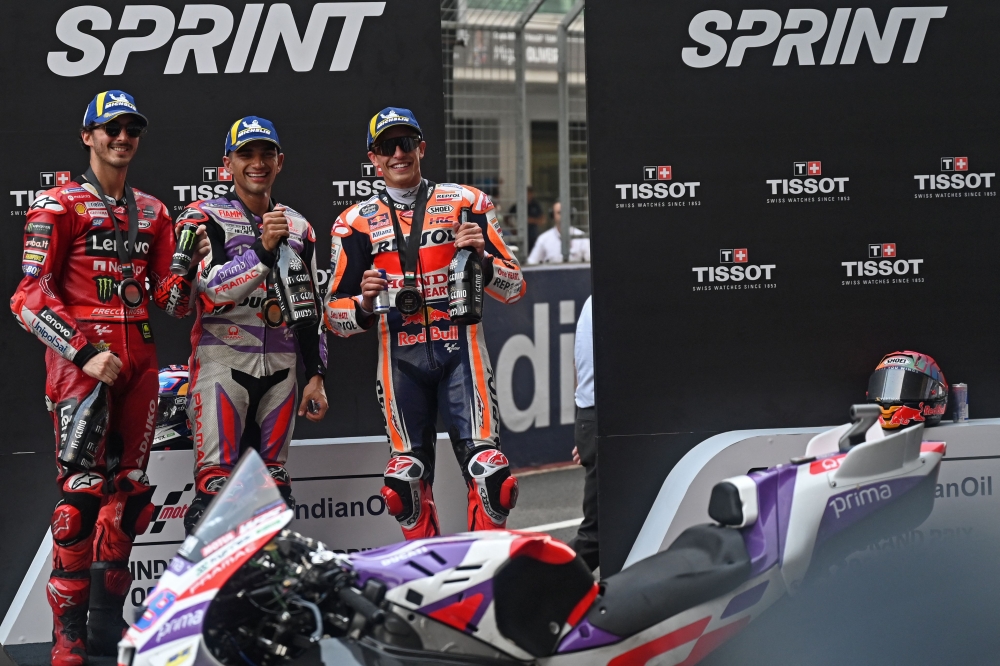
(244, 590)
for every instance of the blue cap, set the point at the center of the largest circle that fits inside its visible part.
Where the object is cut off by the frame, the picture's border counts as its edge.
(109, 105)
(388, 117)
(251, 128)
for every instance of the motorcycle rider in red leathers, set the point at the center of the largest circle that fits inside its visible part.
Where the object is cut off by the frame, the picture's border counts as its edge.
(426, 362)
(71, 299)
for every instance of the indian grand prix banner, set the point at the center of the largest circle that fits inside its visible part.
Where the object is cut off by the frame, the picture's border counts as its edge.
(782, 194)
(318, 70)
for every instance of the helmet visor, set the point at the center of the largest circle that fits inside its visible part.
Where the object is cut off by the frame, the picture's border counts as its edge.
(889, 385)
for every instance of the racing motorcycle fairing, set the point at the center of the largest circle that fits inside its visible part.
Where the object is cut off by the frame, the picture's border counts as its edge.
(244, 517)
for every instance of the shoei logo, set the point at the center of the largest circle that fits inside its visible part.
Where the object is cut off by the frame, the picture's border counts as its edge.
(898, 360)
(863, 28)
(883, 267)
(954, 177)
(279, 25)
(659, 193)
(735, 272)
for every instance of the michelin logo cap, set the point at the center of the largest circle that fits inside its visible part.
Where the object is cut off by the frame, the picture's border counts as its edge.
(251, 128)
(390, 117)
(108, 105)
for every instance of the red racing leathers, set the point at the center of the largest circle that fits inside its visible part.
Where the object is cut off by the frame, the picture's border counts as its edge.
(427, 363)
(68, 299)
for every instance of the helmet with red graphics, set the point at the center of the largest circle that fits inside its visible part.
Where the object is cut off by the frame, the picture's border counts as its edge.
(910, 388)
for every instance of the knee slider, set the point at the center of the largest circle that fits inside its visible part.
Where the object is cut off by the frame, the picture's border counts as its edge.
(403, 488)
(489, 472)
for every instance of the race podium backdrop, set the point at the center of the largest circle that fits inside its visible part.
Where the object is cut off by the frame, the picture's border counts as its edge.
(781, 196)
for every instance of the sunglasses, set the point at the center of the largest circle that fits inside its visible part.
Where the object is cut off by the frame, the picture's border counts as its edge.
(387, 147)
(134, 129)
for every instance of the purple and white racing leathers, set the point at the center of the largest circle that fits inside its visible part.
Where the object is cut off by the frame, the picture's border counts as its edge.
(243, 387)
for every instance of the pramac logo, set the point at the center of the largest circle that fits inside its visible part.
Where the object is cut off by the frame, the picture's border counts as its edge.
(198, 51)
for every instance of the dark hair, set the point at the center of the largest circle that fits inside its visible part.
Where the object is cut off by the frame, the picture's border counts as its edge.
(85, 128)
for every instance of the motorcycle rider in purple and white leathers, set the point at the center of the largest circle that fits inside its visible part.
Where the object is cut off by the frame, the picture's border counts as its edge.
(243, 373)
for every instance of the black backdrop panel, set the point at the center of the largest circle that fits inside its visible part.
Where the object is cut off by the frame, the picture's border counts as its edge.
(321, 116)
(791, 176)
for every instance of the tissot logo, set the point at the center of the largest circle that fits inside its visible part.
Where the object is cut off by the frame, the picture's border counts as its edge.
(882, 267)
(807, 181)
(735, 272)
(766, 25)
(215, 174)
(955, 181)
(200, 49)
(658, 195)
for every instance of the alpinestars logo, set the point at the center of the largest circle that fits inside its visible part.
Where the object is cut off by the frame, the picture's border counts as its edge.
(807, 179)
(882, 267)
(106, 285)
(955, 180)
(659, 193)
(863, 28)
(734, 272)
(198, 51)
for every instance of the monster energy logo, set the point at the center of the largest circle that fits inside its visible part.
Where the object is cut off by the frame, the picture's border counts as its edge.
(105, 287)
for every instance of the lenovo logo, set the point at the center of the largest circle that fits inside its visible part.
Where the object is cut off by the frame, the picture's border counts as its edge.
(767, 26)
(160, 22)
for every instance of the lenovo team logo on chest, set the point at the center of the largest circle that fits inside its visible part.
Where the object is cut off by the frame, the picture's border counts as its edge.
(766, 26)
(807, 179)
(159, 24)
(658, 190)
(955, 180)
(883, 266)
(734, 272)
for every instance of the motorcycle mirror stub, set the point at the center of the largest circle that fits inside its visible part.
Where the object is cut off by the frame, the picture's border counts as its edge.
(863, 417)
(734, 502)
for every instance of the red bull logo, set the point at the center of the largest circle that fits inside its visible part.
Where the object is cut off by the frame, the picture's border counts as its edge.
(429, 314)
(405, 339)
(900, 415)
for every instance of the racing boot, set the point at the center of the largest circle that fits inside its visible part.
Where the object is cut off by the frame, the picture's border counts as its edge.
(68, 593)
(109, 585)
(492, 489)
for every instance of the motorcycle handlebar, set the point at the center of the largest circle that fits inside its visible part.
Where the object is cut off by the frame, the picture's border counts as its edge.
(353, 598)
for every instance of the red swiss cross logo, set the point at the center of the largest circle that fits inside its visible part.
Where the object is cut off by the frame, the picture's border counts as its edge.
(888, 249)
(224, 174)
(664, 173)
(814, 168)
(740, 255)
(62, 177)
(961, 164)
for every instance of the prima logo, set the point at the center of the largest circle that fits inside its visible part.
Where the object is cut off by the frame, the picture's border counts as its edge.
(279, 25)
(863, 28)
(734, 272)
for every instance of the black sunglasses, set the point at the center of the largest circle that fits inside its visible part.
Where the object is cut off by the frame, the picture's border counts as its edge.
(387, 147)
(134, 129)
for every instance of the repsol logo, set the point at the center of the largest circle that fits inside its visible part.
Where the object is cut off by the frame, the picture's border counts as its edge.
(159, 24)
(767, 26)
(433, 237)
(326, 508)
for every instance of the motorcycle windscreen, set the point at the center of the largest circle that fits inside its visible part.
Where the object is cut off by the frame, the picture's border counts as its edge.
(249, 492)
(896, 385)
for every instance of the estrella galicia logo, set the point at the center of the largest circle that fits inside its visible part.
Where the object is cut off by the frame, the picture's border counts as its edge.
(105, 287)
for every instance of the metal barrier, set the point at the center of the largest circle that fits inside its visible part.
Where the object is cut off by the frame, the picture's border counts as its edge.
(508, 64)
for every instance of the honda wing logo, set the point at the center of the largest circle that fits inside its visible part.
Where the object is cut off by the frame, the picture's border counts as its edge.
(766, 26)
(302, 46)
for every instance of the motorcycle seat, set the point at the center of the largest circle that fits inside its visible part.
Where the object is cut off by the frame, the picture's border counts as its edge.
(704, 562)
